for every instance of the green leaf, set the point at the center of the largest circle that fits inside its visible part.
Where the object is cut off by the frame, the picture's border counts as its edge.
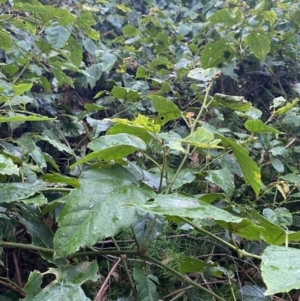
(66, 286)
(280, 269)
(12, 192)
(165, 108)
(61, 77)
(202, 138)
(237, 103)
(75, 51)
(179, 205)
(33, 286)
(146, 287)
(279, 216)
(130, 31)
(276, 163)
(259, 41)
(201, 74)
(222, 178)
(57, 36)
(112, 147)
(24, 118)
(250, 169)
(216, 53)
(141, 121)
(97, 209)
(5, 41)
(229, 17)
(95, 72)
(108, 60)
(191, 265)
(125, 93)
(252, 293)
(272, 233)
(7, 167)
(130, 129)
(184, 177)
(21, 88)
(59, 178)
(85, 21)
(257, 126)
(92, 107)
(51, 138)
(286, 108)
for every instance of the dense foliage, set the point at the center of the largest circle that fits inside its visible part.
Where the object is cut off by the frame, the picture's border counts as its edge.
(149, 150)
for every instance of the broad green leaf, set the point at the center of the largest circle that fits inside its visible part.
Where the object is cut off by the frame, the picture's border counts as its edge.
(286, 108)
(216, 53)
(57, 36)
(75, 51)
(259, 41)
(92, 107)
(30, 217)
(112, 147)
(228, 17)
(95, 72)
(292, 178)
(36, 8)
(59, 178)
(97, 209)
(276, 163)
(252, 293)
(33, 285)
(272, 233)
(237, 103)
(77, 274)
(201, 74)
(146, 285)
(202, 138)
(250, 169)
(257, 126)
(172, 141)
(51, 138)
(165, 108)
(61, 77)
(183, 206)
(130, 129)
(108, 60)
(279, 216)
(38, 200)
(130, 31)
(140, 121)
(191, 265)
(13, 192)
(66, 286)
(125, 93)
(180, 205)
(144, 230)
(244, 228)
(222, 178)
(21, 88)
(161, 62)
(5, 41)
(99, 126)
(280, 269)
(7, 167)
(85, 22)
(19, 118)
(184, 177)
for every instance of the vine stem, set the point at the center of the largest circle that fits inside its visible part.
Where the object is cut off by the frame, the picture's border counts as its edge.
(184, 278)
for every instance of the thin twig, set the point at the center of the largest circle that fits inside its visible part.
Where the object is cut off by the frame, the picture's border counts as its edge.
(104, 286)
